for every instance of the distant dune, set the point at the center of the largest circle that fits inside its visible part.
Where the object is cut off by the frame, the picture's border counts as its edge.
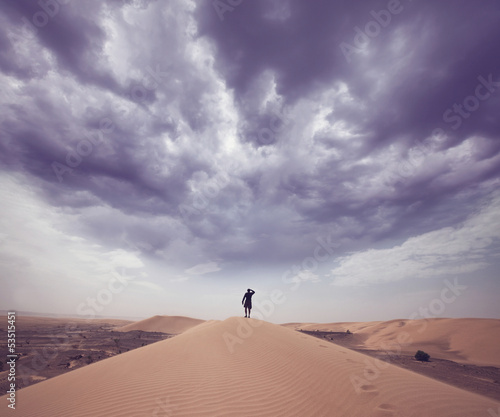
(245, 367)
(164, 324)
(472, 341)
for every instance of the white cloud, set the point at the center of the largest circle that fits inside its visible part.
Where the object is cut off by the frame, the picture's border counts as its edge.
(38, 247)
(306, 276)
(447, 251)
(121, 258)
(202, 269)
(148, 285)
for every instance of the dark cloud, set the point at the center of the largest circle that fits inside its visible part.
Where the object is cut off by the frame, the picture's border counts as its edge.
(427, 58)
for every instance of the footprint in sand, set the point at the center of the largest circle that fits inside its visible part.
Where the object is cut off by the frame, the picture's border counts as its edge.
(367, 393)
(385, 410)
(387, 407)
(369, 388)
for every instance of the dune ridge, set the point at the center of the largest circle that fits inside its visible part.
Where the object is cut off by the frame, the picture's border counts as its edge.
(464, 340)
(245, 367)
(164, 324)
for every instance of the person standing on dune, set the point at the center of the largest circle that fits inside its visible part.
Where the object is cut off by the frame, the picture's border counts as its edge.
(247, 301)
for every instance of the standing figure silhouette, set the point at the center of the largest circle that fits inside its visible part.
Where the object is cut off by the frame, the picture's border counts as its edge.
(247, 301)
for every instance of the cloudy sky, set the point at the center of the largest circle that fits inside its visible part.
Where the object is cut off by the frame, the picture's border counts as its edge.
(341, 158)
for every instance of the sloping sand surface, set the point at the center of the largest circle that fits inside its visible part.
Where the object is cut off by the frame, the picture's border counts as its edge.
(472, 341)
(164, 324)
(245, 367)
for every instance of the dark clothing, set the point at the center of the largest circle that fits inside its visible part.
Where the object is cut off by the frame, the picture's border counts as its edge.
(247, 299)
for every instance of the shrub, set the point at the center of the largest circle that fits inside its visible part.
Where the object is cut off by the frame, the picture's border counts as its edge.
(422, 356)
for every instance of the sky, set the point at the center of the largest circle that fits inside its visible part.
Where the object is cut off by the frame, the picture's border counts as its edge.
(341, 158)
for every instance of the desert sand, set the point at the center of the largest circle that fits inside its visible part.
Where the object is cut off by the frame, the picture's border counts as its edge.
(470, 341)
(246, 367)
(164, 324)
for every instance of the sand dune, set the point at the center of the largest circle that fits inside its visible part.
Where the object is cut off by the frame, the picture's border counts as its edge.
(164, 324)
(472, 341)
(245, 367)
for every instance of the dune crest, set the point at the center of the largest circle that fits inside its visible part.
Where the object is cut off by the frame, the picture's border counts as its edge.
(164, 324)
(245, 367)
